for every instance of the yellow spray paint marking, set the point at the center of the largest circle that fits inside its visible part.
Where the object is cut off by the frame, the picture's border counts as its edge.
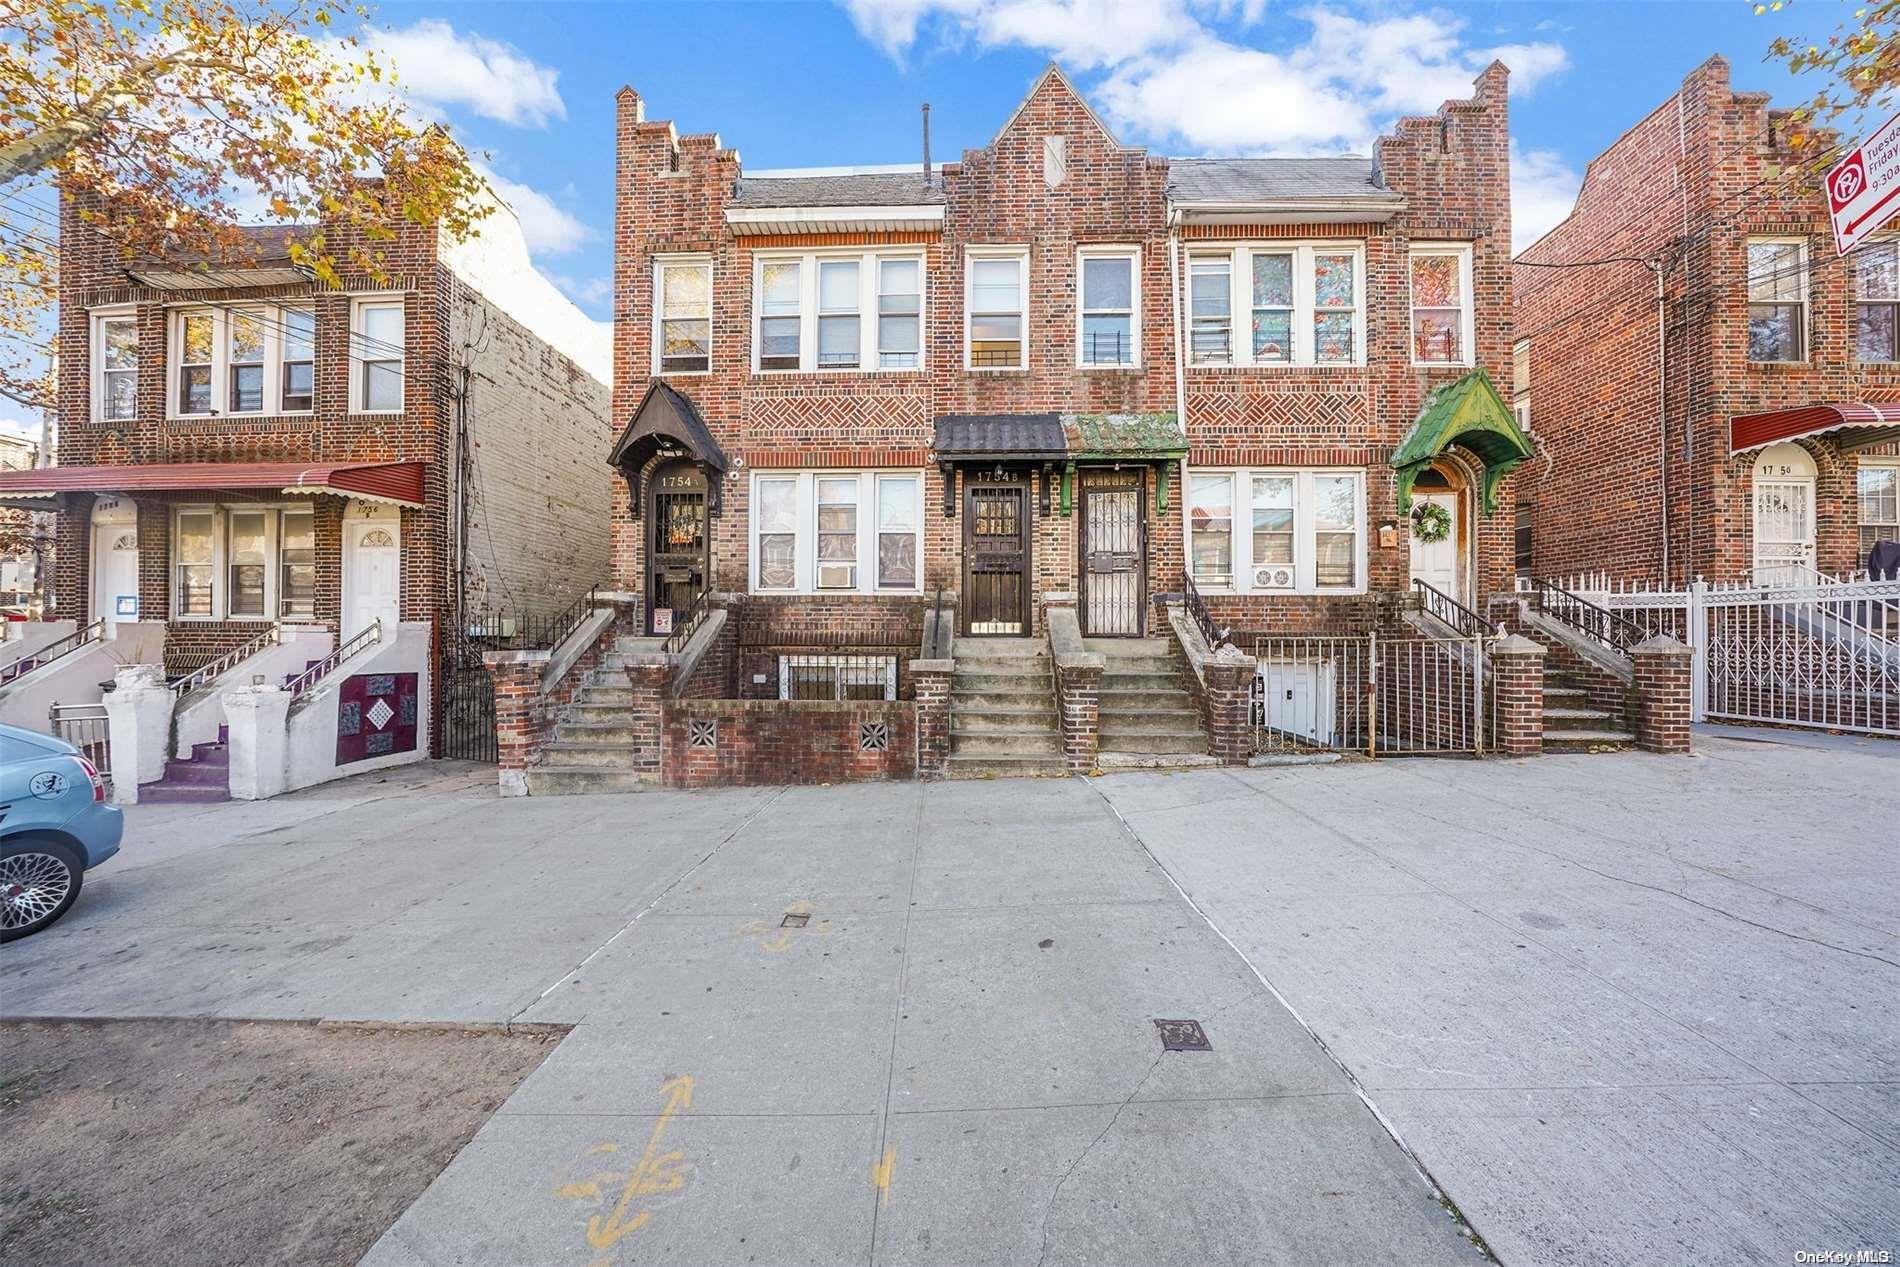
(881, 1176)
(654, 1174)
(781, 936)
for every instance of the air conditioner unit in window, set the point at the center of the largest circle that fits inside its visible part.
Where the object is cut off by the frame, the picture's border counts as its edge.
(837, 576)
(1278, 577)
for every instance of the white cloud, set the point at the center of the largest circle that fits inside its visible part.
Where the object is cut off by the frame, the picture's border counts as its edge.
(1543, 191)
(1171, 78)
(548, 228)
(589, 292)
(438, 66)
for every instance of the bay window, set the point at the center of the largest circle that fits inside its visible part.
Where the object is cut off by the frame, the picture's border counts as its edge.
(1109, 315)
(1306, 530)
(682, 316)
(996, 309)
(1305, 305)
(1877, 301)
(1441, 305)
(115, 358)
(244, 562)
(1777, 300)
(837, 531)
(838, 311)
(377, 353)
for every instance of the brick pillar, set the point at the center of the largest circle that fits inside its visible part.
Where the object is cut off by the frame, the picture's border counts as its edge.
(1517, 679)
(930, 689)
(1227, 676)
(1663, 694)
(650, 680)
(1078, 699)
(519, 716)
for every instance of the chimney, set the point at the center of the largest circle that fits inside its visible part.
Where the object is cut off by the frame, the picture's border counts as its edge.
(926, 142)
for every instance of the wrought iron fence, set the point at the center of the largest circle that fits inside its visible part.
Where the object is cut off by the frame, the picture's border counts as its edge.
(467, 731)
(1449, 610)
(87, 728)
(1372, 695)
(52, 651)
(1311, 694)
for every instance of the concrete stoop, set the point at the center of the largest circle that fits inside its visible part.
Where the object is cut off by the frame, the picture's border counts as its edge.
(592, 748)
(1003, 721)
(1146, 720)
(1571, 724)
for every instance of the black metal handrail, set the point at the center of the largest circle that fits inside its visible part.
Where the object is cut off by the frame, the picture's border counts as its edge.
(53, 651)
(573, 616)
(1588, 619)
(1214, 634)
(683, 629)
(1438, 603)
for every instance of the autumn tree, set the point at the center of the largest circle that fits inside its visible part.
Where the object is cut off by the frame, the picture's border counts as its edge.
(1858, 68)
(182, 119)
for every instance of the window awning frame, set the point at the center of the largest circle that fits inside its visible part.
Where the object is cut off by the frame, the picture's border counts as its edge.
(1854, 424)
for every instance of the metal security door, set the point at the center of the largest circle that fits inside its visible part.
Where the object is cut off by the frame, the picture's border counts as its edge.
(676, 550)
(1112, 554)
(996, 559)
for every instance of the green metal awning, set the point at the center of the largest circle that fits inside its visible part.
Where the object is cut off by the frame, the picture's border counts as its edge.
(1470, 413)
(1130, 437)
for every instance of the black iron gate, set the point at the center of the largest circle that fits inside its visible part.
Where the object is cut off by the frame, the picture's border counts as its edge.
(468, 699)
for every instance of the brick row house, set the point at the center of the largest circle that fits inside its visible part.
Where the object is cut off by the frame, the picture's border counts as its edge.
(1721, 398)
(241, 447)
(1060, 366)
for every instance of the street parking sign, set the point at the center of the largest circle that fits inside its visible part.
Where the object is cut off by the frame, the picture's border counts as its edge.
(1863, 189)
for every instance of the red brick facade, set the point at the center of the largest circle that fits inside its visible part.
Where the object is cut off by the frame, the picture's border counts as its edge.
(1684, 190)
(673, 196)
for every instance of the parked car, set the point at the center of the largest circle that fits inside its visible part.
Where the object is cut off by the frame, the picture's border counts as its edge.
(55, 826)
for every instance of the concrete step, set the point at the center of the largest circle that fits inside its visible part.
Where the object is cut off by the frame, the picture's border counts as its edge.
(1129, 646)
(1012, 647)
(1141, 664)
(991, 663)
(574, 730)
(1556, 695)
(1043, 718)
(1026, 697)
(1005, 767)
(587, 711)
(169, 793)
(1153, 741)
(633, 644)
(961, 681)
(1114, 679)
(616, 696)
(1584, 740)
(563, 752)
(578, 781)
(1577, 719)
(1181, 721)
(1025, 742)
(198, 773)
(1108, 762)
(1120, 701)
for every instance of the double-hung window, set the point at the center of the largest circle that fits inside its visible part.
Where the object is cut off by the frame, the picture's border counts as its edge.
(1305, 530)
(244, 363)
(249, 555)
(115, 356)
(240, 361)
(377, 352)
(682, 316)
(996, 309)
(1109, 316)
(297, 363)
(837, 531)
(838, 311)
(1304, 304)
(1879, 488)
(1441, 305)
(297, 566)
(194, 548)
(244, 562)
(1777, 300)
(197, 351)
(1877, 301)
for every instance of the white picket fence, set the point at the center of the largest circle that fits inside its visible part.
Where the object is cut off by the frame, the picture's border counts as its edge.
(1804, 649)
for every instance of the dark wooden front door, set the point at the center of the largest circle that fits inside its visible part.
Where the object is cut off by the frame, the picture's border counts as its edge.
(1114, 553)
(676, 543)
(996, 557)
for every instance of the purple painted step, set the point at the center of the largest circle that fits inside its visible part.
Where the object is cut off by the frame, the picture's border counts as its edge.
(289, 678)
(204, 776)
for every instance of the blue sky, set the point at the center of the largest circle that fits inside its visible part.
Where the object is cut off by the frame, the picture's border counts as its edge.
(804, 83)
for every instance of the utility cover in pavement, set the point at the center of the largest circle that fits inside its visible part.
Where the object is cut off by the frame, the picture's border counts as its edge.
(1183, 1036)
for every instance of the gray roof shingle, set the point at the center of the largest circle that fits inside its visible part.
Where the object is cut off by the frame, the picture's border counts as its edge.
(873, 189)
(999, 435)
(1256, 180)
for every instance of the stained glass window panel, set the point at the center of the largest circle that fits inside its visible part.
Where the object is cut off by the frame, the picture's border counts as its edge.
(1435, 281)
(1333, 281)
(1273, 281)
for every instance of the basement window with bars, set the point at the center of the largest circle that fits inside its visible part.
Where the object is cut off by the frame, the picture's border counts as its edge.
(837, 677)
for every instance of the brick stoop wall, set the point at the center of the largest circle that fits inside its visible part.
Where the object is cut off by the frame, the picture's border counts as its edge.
(766, 742)
(524, 713)
(1663, 681)
(1605, 690)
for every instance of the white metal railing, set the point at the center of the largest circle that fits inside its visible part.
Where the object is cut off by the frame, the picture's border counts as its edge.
(215, 669)
(52, 651)
(87, 728)
(309, 678)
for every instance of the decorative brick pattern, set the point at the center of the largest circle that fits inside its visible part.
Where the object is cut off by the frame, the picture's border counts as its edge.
(767, 742)
(1664, 682)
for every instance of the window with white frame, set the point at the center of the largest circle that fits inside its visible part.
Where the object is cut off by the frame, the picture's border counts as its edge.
(244, 562)
(1305, 304)
(1879, 488)
(1877, 301)
(115, 359)
(1305, 530)
(1441, 305)
(376, 356)
(1777, 299)
(1521, 383)
(682, 316)
(837, 677)
(837, 532)
(838, 311)
(1109, 316)
(243, 361)
(996, 309)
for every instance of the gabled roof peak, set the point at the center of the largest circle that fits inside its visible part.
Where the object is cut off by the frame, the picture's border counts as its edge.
(1055, 71)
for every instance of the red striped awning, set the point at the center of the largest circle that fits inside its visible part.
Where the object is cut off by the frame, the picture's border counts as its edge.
(1860, 425)
(398, 483)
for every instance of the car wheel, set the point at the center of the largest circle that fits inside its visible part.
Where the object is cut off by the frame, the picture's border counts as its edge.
(39, 880)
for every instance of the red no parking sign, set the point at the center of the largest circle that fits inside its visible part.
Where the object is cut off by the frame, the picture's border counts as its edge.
(1863, 189)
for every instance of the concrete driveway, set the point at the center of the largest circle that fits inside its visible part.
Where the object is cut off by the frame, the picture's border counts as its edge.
(1623, 1008)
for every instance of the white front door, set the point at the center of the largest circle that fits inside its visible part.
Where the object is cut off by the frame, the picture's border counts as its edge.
(372, 575)
(115, 571)
(1784, 531)
(1436, 562)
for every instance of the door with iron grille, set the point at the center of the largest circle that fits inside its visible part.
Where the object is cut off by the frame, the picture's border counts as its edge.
(996, 558)
(1114, 552)
(676, 543)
